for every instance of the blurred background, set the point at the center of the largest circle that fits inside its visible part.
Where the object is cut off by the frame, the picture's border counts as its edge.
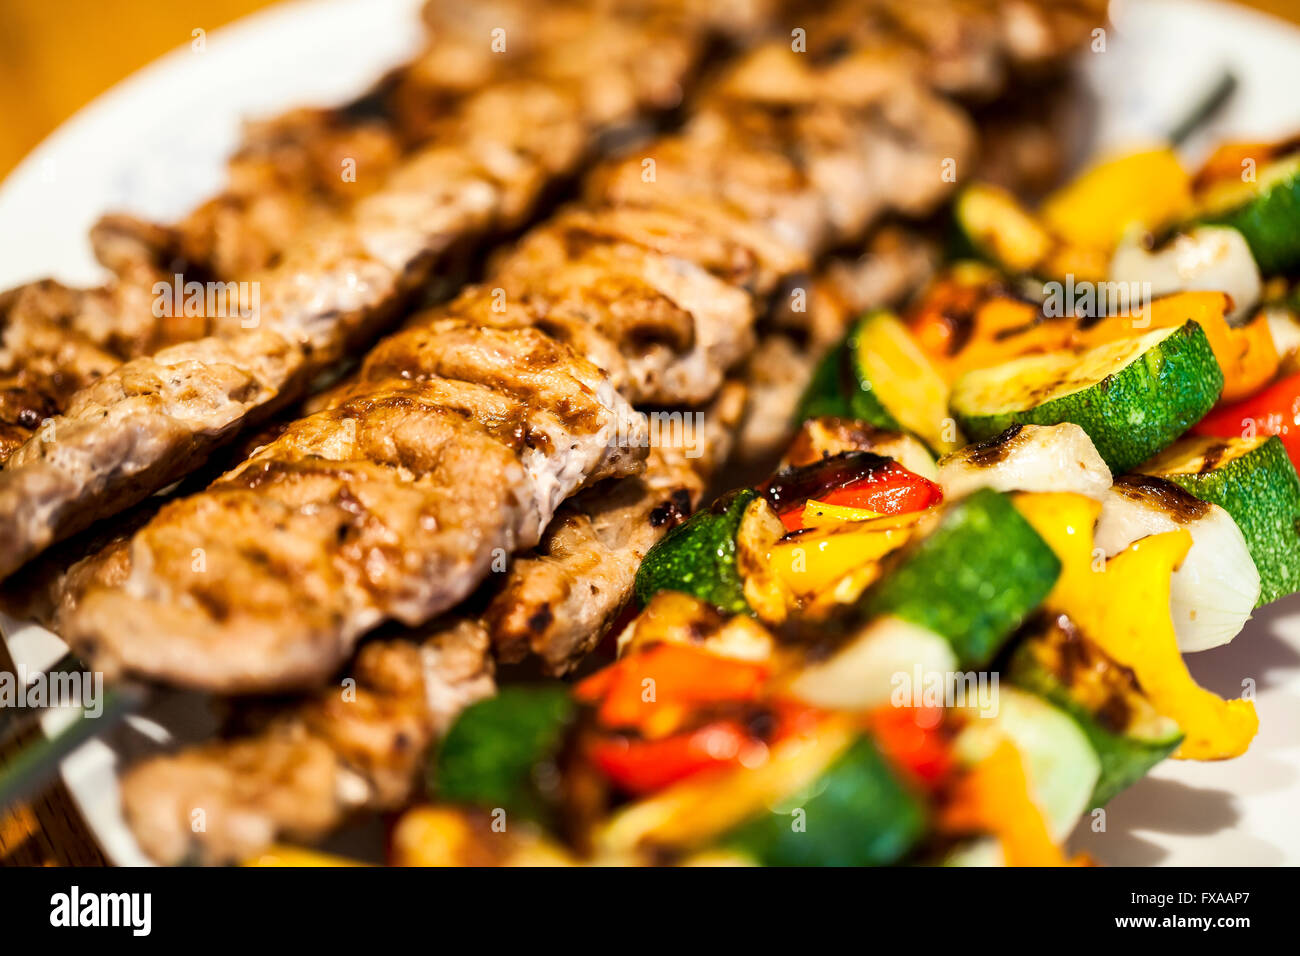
(58, 55)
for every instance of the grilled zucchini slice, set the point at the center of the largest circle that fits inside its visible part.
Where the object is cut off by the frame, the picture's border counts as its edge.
(972, 579)
(699, 557)
(1060, 665)
(492, 755)
(880, 376)
(859, 812)
(1266, 212)
(1133, 397)
(1254, 481)
(1061, 766)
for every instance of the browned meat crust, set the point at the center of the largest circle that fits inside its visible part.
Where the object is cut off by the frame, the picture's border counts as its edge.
(362, 746)
(560, 600)
(328, 294)
(392, 503)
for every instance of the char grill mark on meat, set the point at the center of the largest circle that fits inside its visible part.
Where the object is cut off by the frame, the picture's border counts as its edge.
(392, 503)
(558, 602)
(678, 328)
(322, 760)
(329, 293)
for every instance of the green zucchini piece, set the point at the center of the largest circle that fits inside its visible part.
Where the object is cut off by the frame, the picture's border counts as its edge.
(973, 579)
(1254, 481)
(492, 754)
(1266, 212)
(1063, 667)
(880, 376)
(1133, 397)
(836, 390)
(699, 557)
(1060, 765)
(994, 227)
(858, 813)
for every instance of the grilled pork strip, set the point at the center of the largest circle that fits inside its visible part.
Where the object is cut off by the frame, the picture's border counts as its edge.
(328, 294)
(362, 747)
(392, 503)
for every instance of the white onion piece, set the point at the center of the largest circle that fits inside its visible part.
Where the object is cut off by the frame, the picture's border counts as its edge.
(867, 670)
(1284, 328)
(1214, 590)
(1207, 259)
(1038, 458)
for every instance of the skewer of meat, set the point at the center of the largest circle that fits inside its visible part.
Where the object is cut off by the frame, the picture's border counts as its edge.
(536, 588)
(144, 424)
(675, 325)
(356, 274)
(338, 755)
(361, 747)
(617, 61)
(341, 754)
(355, 532)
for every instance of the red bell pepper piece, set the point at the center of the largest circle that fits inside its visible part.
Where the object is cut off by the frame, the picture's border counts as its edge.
(890, 490)
(1272, 411)
(642, 766)
(913, 739)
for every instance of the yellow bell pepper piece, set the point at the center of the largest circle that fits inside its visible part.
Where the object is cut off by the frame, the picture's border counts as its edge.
(1123, 606)
(819, 514)
(1148, 188)
(993, 797)
(813, 563)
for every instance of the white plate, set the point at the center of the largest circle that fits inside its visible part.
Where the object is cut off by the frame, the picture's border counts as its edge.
(156, 145)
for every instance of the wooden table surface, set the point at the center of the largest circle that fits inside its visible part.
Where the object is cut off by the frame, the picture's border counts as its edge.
(56, 56)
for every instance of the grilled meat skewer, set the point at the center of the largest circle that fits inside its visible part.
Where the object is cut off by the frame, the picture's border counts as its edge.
(361, 748)
(141, 425)
(369, 265)
(343, 541)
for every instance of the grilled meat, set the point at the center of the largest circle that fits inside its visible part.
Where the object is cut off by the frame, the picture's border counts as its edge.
(392, 503)
(350, 748)
(810, 176)
(362, 746)
(326, 296)
(346, 547)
